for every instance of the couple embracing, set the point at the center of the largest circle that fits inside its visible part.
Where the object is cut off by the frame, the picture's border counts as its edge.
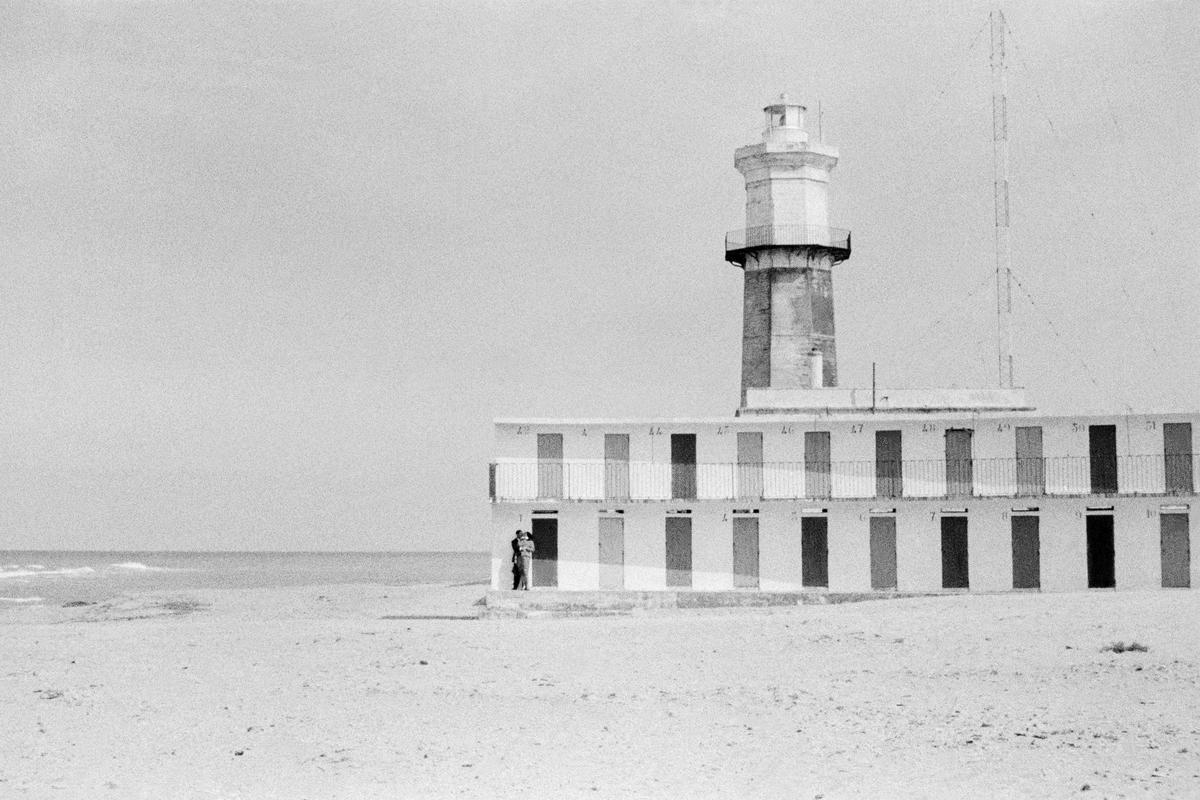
(522, 559)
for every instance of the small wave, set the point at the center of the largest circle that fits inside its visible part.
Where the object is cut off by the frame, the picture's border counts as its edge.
(35, 566)
(20, 599)
(38, 573)
(140, 567)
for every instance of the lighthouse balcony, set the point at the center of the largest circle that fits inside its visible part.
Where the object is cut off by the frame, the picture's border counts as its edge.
(739, 242)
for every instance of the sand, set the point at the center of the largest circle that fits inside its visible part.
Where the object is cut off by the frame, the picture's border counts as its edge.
(353, 692)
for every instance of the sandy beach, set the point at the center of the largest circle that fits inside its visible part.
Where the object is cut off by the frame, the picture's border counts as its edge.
(374, 691)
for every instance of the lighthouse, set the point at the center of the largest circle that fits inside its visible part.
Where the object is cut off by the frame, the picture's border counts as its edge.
(811, 486)
(787, 251)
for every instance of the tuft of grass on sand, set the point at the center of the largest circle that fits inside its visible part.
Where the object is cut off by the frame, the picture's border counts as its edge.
(1121, 647)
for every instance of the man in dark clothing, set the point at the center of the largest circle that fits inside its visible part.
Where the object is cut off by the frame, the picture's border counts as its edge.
(516, 561)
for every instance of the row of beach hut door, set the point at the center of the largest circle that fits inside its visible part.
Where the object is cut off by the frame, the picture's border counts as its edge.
(889, 478)
(1026, 552)
(616, 465)
(814, 549)
(1174, 551)
(814, 552)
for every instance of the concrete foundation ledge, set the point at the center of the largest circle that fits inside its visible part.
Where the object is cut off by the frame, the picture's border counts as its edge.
(561, 603)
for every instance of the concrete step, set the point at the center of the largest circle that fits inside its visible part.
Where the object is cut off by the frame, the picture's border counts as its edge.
(554, 603)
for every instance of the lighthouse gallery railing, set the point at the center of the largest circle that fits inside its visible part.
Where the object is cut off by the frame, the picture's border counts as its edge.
(836, 239)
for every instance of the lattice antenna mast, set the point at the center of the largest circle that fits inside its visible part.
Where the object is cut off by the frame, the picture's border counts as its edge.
(1000, 176)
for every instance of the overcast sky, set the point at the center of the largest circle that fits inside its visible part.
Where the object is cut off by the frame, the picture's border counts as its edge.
(270, 269)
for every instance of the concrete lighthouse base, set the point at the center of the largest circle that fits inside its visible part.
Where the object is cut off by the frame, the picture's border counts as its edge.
(787, 315)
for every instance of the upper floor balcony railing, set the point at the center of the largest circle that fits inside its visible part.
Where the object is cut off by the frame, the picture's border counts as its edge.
(739, 242)
(528, 480)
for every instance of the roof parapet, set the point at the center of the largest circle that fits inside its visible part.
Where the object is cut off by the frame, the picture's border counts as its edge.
(841, 400)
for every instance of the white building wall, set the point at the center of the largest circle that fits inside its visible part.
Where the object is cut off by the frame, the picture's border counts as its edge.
(849, 549)
(1142, 439)
(783, 442)
(1136, 538)
(994, 449)
(579, 443)
(989, 542)
(923, 446)
(645, 547)
(787, 198)
(852, 451)
(918, 548)
(779, 549)
(1194, 544)
(1067, 446)
(578, 546)
(783, 455)
(650, 463)
(712, 549)
(716, 455)
(923, 441)
(1064, 546)
(816, 198)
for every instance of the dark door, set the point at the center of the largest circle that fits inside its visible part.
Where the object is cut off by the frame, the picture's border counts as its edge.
(616, 466)
(1026, 553)
(545, 553)
(683, 465)
(1031, 468)
(883, 552)
(814, 551)
(679, 551)
(816, 464)
(1177, 457)
(750, 465)
(1176, 551)
(1100, 552)
(960, 472)
(612, 553)
(1102, 453)
(889, 480)
(955, 574)
(745, 553)
(550, 465)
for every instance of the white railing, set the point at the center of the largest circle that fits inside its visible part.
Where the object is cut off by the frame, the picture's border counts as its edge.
(787, 234)
(527, 480)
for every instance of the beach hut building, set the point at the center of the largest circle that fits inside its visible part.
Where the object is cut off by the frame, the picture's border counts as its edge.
(813, 487)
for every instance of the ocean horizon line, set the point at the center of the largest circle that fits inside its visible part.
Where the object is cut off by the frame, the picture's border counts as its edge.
(249, 552)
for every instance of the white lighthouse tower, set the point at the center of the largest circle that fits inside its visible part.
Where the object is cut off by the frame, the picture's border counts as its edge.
(787, 251)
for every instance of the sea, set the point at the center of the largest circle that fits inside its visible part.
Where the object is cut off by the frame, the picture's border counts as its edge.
(56, 577)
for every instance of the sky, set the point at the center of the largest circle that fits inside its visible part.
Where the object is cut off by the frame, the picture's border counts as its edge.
(269, 270)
